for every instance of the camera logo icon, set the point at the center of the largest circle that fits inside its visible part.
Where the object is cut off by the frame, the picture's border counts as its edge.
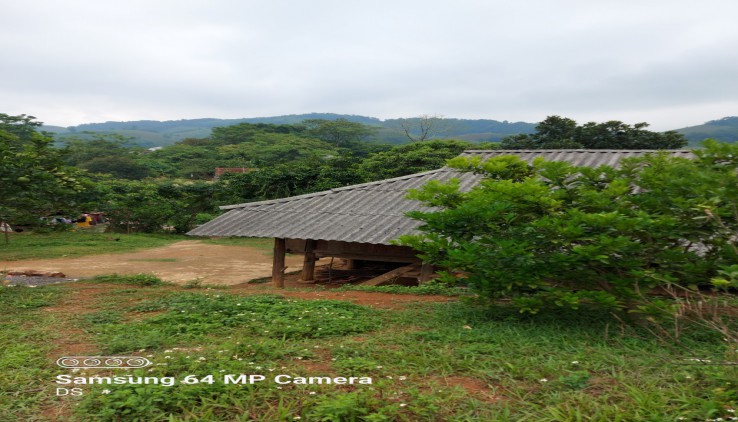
(106, 362)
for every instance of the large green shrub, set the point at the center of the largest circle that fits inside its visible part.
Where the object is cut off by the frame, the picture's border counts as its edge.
(555, 234)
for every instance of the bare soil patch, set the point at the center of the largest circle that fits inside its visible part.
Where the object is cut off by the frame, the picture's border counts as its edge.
(230, 265)
(177, 263)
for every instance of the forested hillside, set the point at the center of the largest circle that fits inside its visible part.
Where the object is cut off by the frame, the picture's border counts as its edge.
(152, 133)
(725, 130)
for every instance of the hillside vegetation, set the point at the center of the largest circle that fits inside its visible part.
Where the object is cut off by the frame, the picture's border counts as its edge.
(725, 130)
(152, 133)
(174, 185)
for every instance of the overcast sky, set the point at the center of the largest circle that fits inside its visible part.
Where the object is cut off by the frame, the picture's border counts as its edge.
(671, 63)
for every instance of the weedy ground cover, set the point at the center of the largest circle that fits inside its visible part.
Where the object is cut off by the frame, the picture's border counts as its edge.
(428, 288)
(427, 361)
(25, 331)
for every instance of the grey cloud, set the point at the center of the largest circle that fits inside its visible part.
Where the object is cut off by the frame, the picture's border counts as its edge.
(79, 61)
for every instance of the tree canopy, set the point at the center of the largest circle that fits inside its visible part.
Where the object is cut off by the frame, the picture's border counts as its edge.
(557, 132)
(33, 178)
(412, 158)
(339, 132)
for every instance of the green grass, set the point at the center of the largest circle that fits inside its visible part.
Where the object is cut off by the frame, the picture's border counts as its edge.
(25, 332)
(454, 361)
(133, 279)
(194, 317)
(74, 244)
(260, 243)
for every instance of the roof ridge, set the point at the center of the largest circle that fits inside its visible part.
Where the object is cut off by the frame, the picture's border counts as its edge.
(326, 192)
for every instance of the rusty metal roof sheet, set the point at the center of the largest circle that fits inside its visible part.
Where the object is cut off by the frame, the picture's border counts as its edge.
(373, 212)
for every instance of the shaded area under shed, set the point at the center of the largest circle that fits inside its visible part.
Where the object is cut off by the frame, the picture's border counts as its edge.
(362, 259)
(342, 272)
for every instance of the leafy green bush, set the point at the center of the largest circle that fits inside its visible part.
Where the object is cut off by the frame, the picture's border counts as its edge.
(552, 234)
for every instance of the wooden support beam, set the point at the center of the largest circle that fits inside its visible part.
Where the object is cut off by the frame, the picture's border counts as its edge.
(278, 262)
(376, 281)
(350, 264)
(308, 263)
(366, 257)
(426, 272)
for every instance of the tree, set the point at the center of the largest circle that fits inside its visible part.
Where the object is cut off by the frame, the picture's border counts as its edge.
(339, 132)
(423, 127)
(182, 160)
(266, 149)
(554, 235)
(33, 179)
(618, 135)
(136, 206)
(80, 150)
(188, 199)
(22, 127)
(287, 179)
(120, 167)
(411, 158)
(105, 153)
(562, 133)
(243, 132)
(557, 132)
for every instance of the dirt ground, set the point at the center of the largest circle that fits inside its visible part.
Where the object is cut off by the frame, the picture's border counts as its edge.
(177, 263)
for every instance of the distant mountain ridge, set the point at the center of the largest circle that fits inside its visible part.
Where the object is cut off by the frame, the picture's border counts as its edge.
(725, 129)
(152, 133)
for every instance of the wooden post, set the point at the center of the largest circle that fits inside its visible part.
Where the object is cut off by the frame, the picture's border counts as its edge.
(350, 264)
(426, 271)
(278, 262)
(308, 264)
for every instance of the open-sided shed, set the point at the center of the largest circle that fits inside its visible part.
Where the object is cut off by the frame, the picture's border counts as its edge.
(359, 222)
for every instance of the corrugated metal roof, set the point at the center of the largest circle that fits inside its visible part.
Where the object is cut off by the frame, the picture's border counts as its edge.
(373, 212)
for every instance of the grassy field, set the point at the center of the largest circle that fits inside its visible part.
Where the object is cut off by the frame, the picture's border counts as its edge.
(80, 243)
(452, 361)
(265, 244)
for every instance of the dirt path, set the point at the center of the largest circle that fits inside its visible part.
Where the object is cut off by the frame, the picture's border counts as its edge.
(178, 263)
